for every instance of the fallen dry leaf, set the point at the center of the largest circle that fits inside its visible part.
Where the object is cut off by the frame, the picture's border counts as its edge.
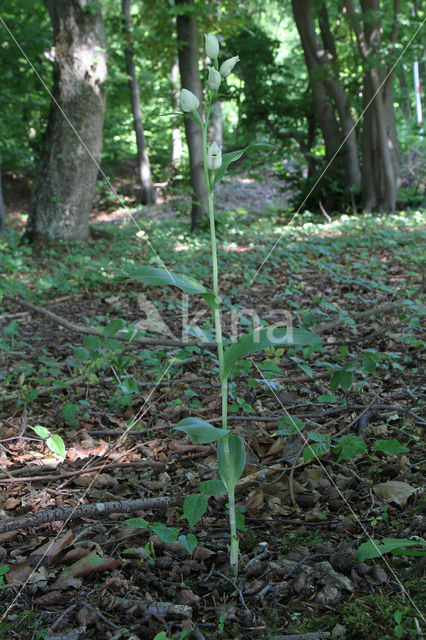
(394, 491)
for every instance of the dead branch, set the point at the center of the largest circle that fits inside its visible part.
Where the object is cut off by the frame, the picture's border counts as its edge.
(78, 472)
(91, 331)
(85, 511)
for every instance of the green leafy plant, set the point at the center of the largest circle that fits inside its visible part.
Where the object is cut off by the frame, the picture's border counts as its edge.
(396, 546)
(3, 570)
(346, 447)
(231, 456)
(53, 441)
(398, 628)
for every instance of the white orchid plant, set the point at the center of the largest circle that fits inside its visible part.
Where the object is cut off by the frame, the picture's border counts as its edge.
(231, 455)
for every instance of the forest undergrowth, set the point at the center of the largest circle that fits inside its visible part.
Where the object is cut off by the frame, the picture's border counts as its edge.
(319, 504)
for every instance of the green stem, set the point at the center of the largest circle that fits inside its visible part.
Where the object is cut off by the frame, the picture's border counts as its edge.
(209, 177)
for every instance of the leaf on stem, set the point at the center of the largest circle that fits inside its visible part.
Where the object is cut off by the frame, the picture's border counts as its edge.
(237, 461)
(163, 277)
(233, 156)
(200, 431)
(258, 340)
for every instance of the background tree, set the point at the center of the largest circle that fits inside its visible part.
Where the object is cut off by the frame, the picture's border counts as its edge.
(332, 108)
(144, 169)
(380, 142)
(65, 180)
(188, 52)
(2, 208)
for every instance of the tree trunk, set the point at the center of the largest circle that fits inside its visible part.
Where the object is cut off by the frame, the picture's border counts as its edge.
(144, 170)
(65, 179)
(328, 95)
(187, 34)
(176, 134)
(2, 208)
(380, 144)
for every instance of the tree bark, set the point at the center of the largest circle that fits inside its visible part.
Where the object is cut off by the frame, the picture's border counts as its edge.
(328, 95)
(144, 169)
(2, 208)
(65, 179)
(176, 133)
(380, 144)
(187, 34)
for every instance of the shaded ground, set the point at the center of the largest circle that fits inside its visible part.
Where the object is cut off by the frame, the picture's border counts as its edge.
(360, 287)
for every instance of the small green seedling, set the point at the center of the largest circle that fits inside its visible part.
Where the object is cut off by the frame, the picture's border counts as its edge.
(53, 441)
(398, 629)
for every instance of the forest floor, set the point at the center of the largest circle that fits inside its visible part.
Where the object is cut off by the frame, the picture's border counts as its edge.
(71, 570)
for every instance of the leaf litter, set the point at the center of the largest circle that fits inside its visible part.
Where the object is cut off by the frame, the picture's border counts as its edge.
(95, 576)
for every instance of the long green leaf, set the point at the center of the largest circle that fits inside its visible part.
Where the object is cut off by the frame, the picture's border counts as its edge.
(200, 431)
(377, 548)
(259, 340)
(237, 453)
(162, 278)
(227, 158)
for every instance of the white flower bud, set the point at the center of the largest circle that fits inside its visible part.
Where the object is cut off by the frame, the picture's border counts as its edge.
(227, 66)
(214, 156)
(214, 79)
(212, 45)
(188, 101)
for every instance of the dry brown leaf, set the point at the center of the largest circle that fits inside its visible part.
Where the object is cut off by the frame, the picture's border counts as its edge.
(11, 503)
(254, 500)
(394, 491)
(21, 573)
(49, 552)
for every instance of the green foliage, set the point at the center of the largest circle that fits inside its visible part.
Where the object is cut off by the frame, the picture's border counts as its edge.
(231, 466)
(194, 507)
(199, 430)
(53, 441)
(397, 546)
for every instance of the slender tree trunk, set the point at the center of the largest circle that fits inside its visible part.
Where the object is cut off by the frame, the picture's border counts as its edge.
(144, 170)
(176, 133)
(328, 95)
(2, 208)
(65, 180)
(380, 145)
(187, 34)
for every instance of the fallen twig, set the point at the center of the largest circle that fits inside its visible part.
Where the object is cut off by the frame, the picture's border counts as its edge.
(78, 472)
(85, 511)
